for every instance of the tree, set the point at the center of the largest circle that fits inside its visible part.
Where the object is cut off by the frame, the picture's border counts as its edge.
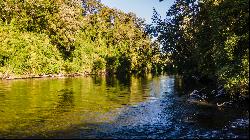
(89, 36)
(208, 38)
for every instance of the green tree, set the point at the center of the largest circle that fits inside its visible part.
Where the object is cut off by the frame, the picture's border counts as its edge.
(89, 37)
(208, 38)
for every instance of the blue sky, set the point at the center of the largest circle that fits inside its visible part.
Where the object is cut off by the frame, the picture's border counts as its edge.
(142, 8)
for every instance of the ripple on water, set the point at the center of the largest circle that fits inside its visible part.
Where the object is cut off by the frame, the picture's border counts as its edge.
(104, 108)
(240, 123)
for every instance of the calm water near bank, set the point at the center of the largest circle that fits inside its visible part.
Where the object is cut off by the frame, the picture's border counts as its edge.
(110, 107)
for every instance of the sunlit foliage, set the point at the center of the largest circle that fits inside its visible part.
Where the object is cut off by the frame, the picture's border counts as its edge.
(68, 36)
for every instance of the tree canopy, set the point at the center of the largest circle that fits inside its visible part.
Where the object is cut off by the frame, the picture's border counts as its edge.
(203, 38)
(68, 36)
(208, 38)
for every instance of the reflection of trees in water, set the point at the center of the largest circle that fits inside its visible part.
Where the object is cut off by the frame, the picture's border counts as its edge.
(144, 85)
(97, 80)
(122, 80)
(66, 100)
(111, 81)
(126, 89)
(66, 97)
(117, 90)
(2, 96)
(155, 87)
(178, 85)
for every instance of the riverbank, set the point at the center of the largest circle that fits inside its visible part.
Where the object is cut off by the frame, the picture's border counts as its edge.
(60, 75)
(218, 98)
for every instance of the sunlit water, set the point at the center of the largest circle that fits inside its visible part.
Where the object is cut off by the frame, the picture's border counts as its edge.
(108, 107)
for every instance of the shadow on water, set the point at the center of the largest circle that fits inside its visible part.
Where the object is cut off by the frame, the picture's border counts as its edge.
(97, 80)
(66, 100)
(168, 116)
(112, 107)
(113, 80)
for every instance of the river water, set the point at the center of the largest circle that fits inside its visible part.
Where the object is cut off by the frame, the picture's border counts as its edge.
(110, 107)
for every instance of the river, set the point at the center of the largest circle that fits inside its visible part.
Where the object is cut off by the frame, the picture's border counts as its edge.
(110, 107)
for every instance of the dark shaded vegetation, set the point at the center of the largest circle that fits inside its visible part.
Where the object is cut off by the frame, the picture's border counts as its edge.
(207, 42)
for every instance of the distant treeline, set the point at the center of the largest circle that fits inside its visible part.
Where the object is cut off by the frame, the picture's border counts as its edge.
(71, 36)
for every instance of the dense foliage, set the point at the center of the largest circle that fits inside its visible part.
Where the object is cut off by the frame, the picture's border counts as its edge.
(201, 38)
(208, 38)
(69, 36)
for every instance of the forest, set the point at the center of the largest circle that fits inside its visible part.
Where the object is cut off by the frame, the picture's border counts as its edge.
(43, 37)
(208, 39)
(198, 38)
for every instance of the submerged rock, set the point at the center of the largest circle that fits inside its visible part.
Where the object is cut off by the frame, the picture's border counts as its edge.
(225, 104)
(198, 95)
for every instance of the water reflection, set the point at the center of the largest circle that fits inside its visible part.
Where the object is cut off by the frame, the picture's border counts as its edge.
(111, 107)
(66, 100)
(97, 80)
(35, 106)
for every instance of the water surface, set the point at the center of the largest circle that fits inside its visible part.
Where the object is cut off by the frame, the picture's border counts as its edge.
(110, 107)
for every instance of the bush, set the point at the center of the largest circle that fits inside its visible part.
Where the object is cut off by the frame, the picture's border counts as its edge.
(27, 53)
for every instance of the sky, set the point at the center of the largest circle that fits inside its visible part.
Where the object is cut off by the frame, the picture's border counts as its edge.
(142, 8)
